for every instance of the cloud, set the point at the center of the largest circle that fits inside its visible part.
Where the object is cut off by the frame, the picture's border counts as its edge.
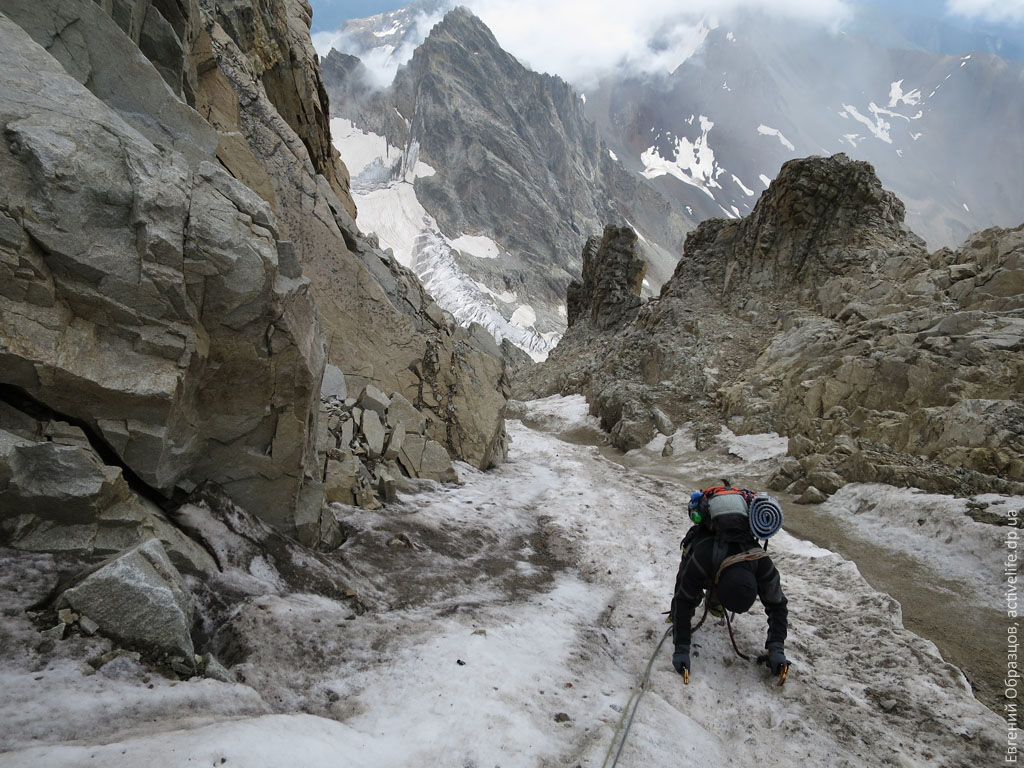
(581, 41)
(998, 11)
(381, 62)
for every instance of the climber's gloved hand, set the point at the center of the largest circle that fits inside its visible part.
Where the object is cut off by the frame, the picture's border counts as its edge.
(776, 660)
(681, 658)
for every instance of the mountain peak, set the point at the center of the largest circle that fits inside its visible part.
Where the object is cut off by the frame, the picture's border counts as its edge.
(818, 218)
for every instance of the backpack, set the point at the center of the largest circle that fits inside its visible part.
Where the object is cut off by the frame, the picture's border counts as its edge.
(723, 509)
(736, 514)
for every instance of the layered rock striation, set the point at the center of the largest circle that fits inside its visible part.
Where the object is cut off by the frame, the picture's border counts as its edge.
(144, 295)
(821, 317)
(179, 256)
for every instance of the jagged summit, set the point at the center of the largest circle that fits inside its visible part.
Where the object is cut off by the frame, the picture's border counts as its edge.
(821, 217)
(512, 180)
(611, 285)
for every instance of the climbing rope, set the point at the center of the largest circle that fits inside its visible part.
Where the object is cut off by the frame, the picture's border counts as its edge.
(751, 554)
(640, 689)
(732, 637)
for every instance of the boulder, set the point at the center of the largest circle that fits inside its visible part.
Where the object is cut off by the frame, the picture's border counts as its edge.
(435, 464)
(401, 411)
(373, 430)
(138, 599)
(334, 383)
(426, 458)
(341, 479)
(373, 399)
(662, 422)
(395, 442)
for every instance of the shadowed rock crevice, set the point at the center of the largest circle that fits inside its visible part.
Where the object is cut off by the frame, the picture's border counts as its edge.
(18, 399)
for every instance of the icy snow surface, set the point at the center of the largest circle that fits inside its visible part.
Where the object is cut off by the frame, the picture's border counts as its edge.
(361, 147)
(533, 590)
(477, 245)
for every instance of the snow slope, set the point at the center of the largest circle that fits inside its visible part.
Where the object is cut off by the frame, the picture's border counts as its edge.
(508, 619)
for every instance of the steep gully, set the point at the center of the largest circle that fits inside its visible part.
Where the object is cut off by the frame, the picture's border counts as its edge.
(968, 634)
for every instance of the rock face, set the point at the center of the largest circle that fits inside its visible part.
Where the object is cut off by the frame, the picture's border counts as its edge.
(151, 305)
(176, 230)
(820, 317)
(612, 279)
(57, 495)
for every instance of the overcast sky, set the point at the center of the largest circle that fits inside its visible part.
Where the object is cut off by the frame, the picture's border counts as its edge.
(580, 40)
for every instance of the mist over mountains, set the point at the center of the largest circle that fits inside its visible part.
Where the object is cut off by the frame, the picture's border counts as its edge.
(940, 130)
(664, 151)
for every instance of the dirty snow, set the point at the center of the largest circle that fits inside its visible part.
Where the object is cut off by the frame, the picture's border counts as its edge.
(511, 633)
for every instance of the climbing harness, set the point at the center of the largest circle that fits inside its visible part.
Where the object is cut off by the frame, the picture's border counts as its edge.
(640, 689)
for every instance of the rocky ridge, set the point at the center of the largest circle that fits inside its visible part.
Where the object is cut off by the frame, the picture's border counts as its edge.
(820, 317)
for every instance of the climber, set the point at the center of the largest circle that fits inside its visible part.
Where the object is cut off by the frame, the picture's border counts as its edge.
(722, 557)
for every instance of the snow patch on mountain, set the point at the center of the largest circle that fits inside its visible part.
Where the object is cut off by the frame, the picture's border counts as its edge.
(878, 127)
(692, 162)
(480, 246)
(361, 148)
(897, 96)
(764, 130)
(384, 192)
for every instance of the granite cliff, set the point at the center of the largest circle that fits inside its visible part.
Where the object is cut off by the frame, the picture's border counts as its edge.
(512, 158)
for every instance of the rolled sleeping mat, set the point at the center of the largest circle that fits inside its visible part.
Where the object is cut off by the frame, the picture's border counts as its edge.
(765, 516)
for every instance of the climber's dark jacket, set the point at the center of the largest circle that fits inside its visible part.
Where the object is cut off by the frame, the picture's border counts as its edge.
(697, 572)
